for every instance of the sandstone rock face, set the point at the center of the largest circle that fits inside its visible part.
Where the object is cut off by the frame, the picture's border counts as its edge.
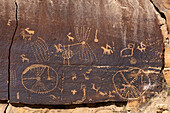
(164, 7)
(75, 51)
(7, 27)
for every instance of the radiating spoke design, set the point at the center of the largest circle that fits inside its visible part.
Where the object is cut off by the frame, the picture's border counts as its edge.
(39, 78)
(133, 82)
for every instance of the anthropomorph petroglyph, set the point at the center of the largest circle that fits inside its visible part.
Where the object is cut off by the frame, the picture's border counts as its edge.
(142, 47)
(67, 54)
(74, 92)
(58, 48)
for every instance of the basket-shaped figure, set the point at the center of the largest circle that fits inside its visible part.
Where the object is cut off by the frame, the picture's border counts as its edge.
(128, 52)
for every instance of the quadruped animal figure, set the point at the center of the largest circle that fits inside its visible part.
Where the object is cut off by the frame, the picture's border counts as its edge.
(107, 50)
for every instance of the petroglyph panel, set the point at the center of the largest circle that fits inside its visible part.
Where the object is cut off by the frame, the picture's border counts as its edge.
(74, 51)
(7, 27)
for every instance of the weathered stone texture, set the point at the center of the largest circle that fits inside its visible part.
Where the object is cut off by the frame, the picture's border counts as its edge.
(74, 51)
(164, 8)
(7, 27)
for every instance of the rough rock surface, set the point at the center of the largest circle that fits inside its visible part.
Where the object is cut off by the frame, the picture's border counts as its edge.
(163, 7)
(7, 28)
(2, 107)
(50, 26)
(74, 52)
(158, 104)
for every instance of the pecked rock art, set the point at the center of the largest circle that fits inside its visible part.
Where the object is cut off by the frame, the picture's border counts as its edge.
(134, 83)
(74, 51)
(45, 78)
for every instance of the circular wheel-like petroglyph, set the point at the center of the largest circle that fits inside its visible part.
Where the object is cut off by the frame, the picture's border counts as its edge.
(131, 83)
(39, 78)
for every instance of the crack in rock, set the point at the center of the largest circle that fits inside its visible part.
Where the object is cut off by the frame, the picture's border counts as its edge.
(164, 28)
(10, 47)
